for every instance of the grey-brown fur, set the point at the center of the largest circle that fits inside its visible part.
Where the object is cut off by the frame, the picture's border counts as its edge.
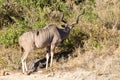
(48, 38)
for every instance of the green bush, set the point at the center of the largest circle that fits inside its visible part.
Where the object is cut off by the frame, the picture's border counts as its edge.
(61, 6)
(10, 37)
(90, 14)
(1, 2)
(41, 22)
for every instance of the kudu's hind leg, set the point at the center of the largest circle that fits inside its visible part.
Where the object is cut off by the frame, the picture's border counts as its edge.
(23, 60)
(47, 56)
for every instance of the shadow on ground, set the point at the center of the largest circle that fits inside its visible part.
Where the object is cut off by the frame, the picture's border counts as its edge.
(41, 63)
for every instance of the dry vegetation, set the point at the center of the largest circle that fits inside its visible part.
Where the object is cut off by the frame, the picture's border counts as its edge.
(93, 41)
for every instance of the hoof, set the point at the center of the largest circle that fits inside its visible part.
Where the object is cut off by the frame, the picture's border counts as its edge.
(29, 72)
(26, 73)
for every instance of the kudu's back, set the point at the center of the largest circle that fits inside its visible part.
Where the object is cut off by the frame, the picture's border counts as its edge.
(40, 38)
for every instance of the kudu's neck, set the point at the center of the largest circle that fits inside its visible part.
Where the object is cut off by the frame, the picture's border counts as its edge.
(65, 32)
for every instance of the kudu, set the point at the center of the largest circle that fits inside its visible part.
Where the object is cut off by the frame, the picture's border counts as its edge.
(48, 37)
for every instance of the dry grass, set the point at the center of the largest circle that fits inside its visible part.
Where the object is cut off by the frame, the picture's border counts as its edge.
(103, 41)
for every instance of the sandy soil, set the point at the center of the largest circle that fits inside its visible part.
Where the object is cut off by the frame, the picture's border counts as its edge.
(77, 74)
(104, 69)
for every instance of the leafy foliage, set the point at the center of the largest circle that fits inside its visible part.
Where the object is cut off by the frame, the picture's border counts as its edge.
(10, 37)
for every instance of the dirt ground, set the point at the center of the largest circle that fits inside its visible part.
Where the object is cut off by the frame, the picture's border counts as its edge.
(78, 74)
(104, 69)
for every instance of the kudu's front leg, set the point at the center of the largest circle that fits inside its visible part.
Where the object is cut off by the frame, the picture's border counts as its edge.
(47, 55)
(52, 54)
